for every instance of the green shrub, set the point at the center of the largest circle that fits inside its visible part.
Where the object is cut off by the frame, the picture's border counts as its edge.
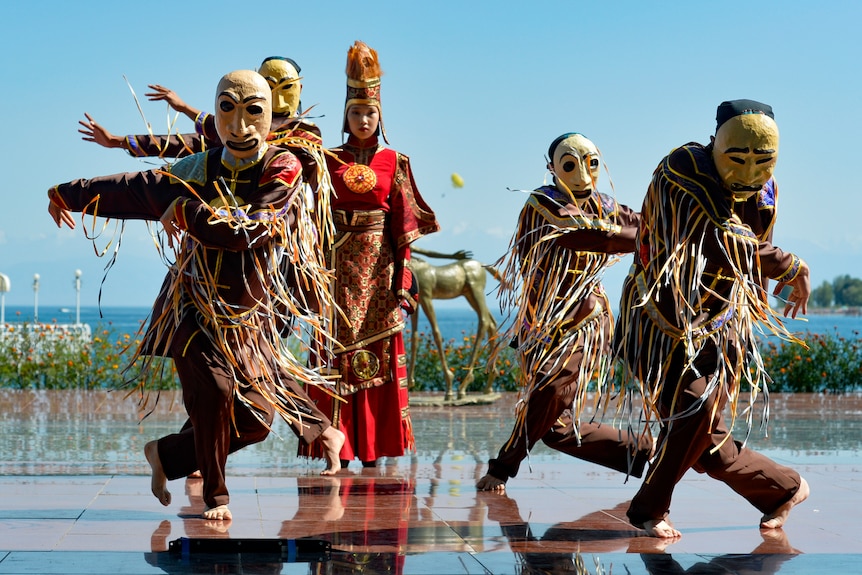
(50, 359)
(44, 357)
(428, 373)
(831, 364)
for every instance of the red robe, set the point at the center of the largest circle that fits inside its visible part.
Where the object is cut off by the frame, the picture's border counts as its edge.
(378, 213)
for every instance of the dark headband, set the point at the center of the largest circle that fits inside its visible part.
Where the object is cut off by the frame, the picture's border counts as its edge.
(289, 60)
(733, 108)
(557, 141)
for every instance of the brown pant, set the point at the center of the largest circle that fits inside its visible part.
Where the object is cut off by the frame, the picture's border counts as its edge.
(207, 381)
(546, 418)
(686, 442)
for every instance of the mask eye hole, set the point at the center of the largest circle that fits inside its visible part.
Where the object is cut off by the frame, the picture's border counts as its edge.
(594, 163)
(255, 109)
(569, 166)
(226, 106)
(736, 160)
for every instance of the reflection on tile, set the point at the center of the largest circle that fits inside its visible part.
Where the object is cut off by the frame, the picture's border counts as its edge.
(75, 498)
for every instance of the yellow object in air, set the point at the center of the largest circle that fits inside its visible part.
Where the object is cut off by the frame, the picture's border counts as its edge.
(457, 181)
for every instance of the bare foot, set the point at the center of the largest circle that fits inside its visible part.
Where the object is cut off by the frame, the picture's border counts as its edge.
(332, 441)
(777, 518)
(491, 483)
(661, 528)
(158, 481)
(219, 512)
(194, 475)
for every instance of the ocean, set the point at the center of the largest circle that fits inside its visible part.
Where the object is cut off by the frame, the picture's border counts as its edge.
(454, 322)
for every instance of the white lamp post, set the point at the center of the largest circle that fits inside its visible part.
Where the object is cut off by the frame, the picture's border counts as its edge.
(77, 297)
(35, 298)
(5, 285)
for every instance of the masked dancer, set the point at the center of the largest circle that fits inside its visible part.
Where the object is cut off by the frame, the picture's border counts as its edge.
(230, 212)
(691, 304)
(568, 234)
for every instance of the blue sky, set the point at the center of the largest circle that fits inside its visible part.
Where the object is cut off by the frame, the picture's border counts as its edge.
(477, 88)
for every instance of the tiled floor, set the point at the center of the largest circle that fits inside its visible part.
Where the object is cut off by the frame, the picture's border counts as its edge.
(74, 498)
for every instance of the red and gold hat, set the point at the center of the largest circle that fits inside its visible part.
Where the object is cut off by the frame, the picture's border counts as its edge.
(363, 81)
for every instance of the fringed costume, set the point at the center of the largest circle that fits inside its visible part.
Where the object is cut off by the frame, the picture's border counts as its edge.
(378, 213)
(300, 137)
(560, 325)
(689, 310)
(222, 305)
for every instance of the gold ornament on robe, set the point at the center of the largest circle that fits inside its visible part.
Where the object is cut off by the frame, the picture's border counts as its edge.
(360, 179)
(365, 364)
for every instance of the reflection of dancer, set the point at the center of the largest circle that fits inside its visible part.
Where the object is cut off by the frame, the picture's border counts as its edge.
(355, 514)
(567, 236)
(534, 552)
(230, 211)
(689, 307)
(766, 559)
(378, 213)
(174, 562)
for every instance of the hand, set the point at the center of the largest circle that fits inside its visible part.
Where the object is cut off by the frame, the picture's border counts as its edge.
(166, 94)
(407, 305)
(462, 255)
(169, 223)
(94, 132)
(61, 215)
(798, 299)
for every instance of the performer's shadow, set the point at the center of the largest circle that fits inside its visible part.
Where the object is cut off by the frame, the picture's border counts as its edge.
(766, 558)
(364, 515)
(194, 525)
(559, 549)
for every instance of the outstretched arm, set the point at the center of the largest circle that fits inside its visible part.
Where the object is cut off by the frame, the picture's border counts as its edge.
(161, 93)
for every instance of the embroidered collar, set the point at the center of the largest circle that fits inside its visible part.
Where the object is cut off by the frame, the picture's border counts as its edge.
(355, 142)
(237, 164)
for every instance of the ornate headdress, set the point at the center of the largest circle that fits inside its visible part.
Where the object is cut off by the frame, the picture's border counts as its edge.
(363, 81)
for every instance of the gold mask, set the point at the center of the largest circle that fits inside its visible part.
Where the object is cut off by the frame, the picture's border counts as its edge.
(284, 81)
(745, 150)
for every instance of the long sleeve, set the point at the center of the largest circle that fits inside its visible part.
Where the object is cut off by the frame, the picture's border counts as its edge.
(175, 145)
(612, 242)
(138, 195)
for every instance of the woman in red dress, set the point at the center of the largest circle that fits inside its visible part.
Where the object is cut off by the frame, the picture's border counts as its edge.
(378, 213)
